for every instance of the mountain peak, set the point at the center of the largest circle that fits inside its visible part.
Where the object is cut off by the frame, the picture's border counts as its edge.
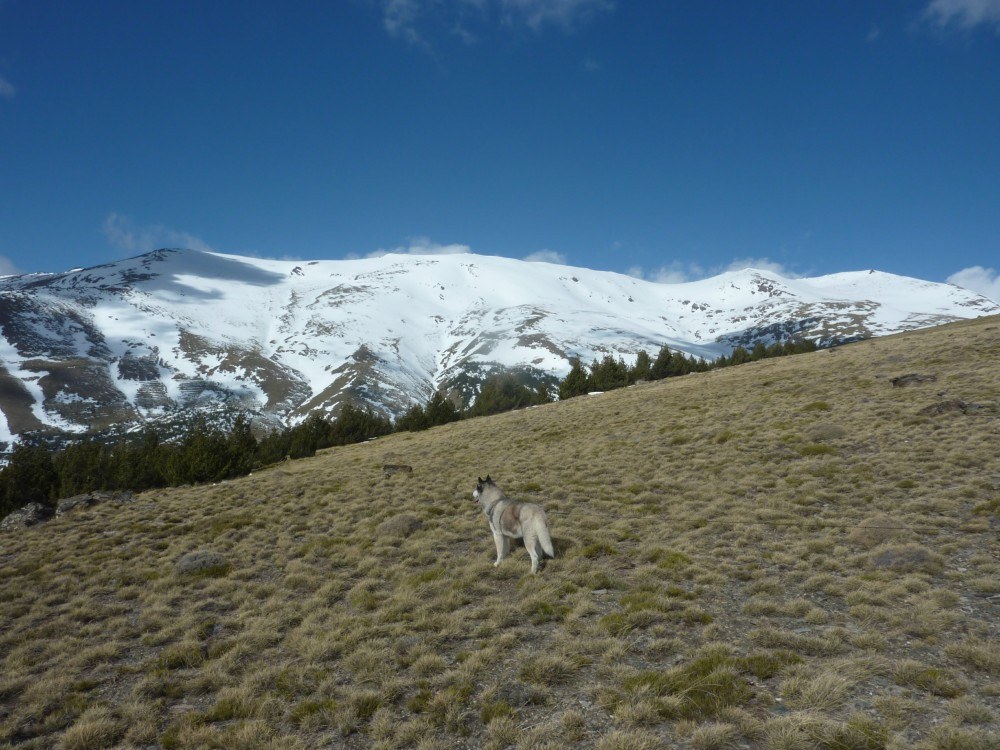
(150, 337)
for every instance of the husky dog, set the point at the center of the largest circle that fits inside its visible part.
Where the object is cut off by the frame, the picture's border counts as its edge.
(513, 520)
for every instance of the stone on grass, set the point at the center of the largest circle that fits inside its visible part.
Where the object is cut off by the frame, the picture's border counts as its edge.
(401, 525)
(202, 563)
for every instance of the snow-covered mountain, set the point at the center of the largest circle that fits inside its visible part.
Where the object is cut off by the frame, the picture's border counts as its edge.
(151, 336)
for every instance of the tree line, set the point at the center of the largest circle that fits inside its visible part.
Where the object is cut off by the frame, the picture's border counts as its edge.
(37, 473)
(609, 373)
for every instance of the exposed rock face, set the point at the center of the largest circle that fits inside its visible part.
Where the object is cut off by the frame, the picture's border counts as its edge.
(152, 339)
(29, 515)
(92, 498)
(35, 513)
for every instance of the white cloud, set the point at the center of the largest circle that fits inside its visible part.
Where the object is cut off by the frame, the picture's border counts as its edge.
(679, 272)
(7, 89)
(566, 14)
(409, 19)
(547, 256)
(761, 264)
(125, 236)
(423, 246)
(399, 19)
(965, 13)
(984, 281)
(7, 268)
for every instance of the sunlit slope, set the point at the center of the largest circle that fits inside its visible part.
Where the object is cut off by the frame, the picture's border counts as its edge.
(790, 553)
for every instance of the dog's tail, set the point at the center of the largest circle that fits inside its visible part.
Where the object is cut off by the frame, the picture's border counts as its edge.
(545, 540)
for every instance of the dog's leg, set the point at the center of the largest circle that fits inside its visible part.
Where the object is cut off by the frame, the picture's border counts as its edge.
(531, 544)
(502, 547)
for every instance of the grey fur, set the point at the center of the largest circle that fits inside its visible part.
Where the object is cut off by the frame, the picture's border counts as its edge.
(510, 519)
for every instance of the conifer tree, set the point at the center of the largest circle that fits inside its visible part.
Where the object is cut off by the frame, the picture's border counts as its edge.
(29, 477)
(441, 410)
(609, 373)
(662, 364)
(642, 368)
(575, 382)
(414, 420)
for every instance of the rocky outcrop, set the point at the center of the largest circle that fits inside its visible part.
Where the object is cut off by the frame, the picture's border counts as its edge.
(33, 513)
(21, 518)
(92, 498)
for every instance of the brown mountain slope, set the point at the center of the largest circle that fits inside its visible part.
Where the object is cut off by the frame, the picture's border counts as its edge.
(795, 553)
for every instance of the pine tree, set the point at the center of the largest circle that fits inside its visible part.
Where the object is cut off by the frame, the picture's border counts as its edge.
(662, 364)
(643, 367)
(575, 382)
(441, 410)
(29, 477)
(241, 448)
(414, 420)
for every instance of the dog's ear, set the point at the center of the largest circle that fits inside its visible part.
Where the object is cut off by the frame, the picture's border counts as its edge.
(488, 480)
(480, 480)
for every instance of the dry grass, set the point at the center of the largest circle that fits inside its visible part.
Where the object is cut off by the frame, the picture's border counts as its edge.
(787, 554)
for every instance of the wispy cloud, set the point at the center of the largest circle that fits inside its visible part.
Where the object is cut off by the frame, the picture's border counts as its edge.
(547, 256)
(124, 235)
(679, 272)
(7, 89)
(414, 21)
(7, 268)
(984, 281)
(423, 246)
(966, 14)
(399, 17)
(565, 14)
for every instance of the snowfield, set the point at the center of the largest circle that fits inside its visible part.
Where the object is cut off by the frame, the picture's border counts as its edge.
(175, 328)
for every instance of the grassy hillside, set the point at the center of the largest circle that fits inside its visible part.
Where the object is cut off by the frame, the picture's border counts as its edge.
(788, 554)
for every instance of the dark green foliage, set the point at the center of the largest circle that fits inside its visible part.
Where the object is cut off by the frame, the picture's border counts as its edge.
(82, 467)
(608, 374)
(575, 383)
(414, 420)
(504, 392)
(201, 458)
(441, 410)
(140, 466)
(662, 366)
(29, 477)
(498, 393)
(204, 454)
(643, 368)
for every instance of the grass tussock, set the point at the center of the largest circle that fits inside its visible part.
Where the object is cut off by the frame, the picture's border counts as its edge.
(787, 554)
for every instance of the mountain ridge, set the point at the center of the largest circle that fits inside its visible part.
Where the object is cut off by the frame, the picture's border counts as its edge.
(172, 330)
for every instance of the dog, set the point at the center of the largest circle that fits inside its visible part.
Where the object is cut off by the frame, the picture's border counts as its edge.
(510, 519)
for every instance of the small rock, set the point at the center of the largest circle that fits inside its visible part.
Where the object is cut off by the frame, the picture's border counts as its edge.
(401, 525)
(202, 562)
(911, 378)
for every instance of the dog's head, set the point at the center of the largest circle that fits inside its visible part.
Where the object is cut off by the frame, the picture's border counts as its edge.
(480, 486)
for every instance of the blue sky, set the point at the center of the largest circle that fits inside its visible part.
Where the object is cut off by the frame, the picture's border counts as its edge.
(670, 140)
